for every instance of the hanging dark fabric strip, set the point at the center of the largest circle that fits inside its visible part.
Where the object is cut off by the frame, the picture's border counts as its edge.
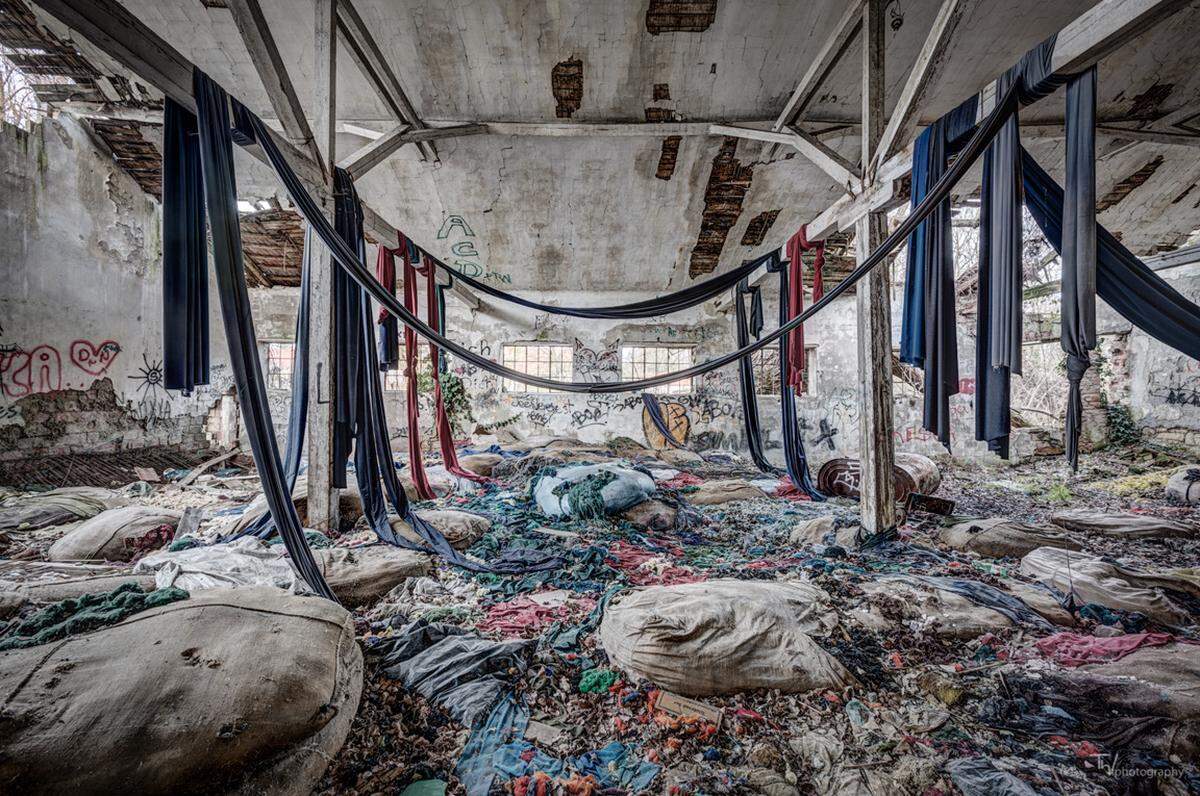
(912, 324)
(345, 259)
(654, 409)
(388, 328)
(746, 385)
(1125, 283)
(220, 184)
(1079, 249)
(650, 308)
(416, 463)
(263, 527)
(185, 254)
(794, 455)
(993, 418)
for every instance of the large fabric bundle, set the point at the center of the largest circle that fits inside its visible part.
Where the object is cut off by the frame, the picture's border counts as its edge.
(1087, 579)
(590, 490)
(712, 493)
(1000, 537)
(110, 536)
(244, 562)
(56, 507)
(350, 508)
(461, 528)
(1128, 526)
(362, 575)
(963, 613)
(47, 582)
(724, 636)
(161, 703)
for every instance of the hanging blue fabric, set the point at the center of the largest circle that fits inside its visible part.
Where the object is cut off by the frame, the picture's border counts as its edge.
(794, 456)
(744, 328)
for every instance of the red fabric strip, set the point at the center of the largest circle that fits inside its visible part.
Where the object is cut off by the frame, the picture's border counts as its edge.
(445, 435)
(796, 246)
(415, 464)
(385, 272)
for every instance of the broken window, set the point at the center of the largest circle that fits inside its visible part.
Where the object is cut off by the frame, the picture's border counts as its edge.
(645, 361)
(547, 360)
(395, 380)
(281, 359)
(765, 363)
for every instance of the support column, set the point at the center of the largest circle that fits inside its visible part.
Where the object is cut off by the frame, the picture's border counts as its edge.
(322, 495)
(878, 493)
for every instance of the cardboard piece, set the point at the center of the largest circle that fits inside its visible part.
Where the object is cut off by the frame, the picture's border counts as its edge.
(680, 707)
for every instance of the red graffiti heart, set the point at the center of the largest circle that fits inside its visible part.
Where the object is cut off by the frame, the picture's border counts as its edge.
(94, 358)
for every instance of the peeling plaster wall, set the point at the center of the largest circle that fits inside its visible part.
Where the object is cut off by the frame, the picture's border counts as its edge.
(80, 310)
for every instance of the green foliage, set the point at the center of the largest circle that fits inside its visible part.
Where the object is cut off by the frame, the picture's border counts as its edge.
(454, 396)
(1058, 494)
(1122, 430)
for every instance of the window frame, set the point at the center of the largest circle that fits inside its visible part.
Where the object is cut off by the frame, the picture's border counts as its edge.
(680, 387)
(278, 378)
(561, 370)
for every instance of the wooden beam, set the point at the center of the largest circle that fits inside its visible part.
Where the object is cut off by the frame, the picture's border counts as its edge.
(838, 168)
(1094, 34)
(1104, 28)
(877, 493)
(322, 363)
(248, 16)
(820, 66)
(375, 69)
(931, 56)
(374, 153)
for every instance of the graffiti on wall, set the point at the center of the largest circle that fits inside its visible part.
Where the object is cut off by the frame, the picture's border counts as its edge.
(40, 369)
(465, 254)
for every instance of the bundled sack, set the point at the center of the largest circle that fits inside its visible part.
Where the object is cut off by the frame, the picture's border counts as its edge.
(1184, 485)
(112, 535)
(349, 507)
(48, 582)
(56, 507)
(461, 528)
(238, 564)
(590, 491)
(1127, 526)
(1089, 579)
(999, 537)
(248, 689)
(362, 575)
(712, 493)
(724, 636)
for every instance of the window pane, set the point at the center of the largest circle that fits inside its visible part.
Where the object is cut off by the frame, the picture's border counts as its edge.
(546, 360)
(645, 361)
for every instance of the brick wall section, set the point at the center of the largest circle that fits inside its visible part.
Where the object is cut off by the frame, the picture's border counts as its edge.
(77, 421)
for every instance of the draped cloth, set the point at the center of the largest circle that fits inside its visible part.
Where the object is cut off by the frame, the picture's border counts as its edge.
(1079, 249)
(416, 464)
(649, 308)
(185, 254)
(745, 326)
(388, 329)
(347, 260)
(1125, 283)
(436, 308)
(264, 527)
(220, 187)
(654, 409)
(794, 455)
(796, 246)
(929, 337)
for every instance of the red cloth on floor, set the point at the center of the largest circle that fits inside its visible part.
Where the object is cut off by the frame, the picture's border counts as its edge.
(788, 491)
(524, 616)
(1075, 649)
(796, 246)
(681, 480)
(415, 464)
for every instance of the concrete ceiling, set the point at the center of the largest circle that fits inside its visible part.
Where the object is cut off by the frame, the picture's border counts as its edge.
(608, 213)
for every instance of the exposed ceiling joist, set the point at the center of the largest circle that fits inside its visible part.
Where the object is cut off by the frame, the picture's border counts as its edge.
(374, 153)
(264, 54)
(820, 66)
(1094, 34)
(838, 168)
(375, 69)
(929, 59)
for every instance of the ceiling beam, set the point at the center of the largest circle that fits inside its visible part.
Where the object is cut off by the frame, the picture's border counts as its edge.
(929, 60)
(379, 74)
(820, 66)
(374, 153)
(264, 54)
(1094, 34)
(838, 168)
